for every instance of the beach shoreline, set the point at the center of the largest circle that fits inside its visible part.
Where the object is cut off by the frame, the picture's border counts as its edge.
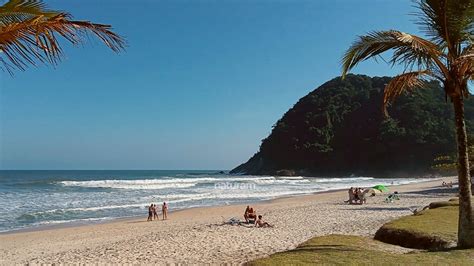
(138, 217)
(171, 211)
(180, 237)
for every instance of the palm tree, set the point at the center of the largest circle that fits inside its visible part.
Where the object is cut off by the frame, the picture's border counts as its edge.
(29, 34)
(446, 55)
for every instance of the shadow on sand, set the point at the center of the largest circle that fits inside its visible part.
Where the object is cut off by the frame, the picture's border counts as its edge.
(371, 208)
(435, 191)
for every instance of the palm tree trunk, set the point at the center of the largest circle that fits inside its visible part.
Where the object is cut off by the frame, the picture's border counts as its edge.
(466, 223)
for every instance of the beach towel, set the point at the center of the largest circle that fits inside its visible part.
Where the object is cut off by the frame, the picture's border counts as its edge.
(233, 221)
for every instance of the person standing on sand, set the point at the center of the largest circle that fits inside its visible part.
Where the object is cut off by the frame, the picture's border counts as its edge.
(164, 208)
(155, 212)
(150, 213)
(351, 195)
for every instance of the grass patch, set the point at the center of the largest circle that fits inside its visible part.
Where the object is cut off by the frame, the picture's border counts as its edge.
(356, 250)
(430, 229)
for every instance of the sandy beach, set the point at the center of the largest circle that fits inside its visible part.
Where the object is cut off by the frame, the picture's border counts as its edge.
(197, 236)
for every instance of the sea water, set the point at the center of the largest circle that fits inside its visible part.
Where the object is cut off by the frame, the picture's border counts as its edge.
(30, 199)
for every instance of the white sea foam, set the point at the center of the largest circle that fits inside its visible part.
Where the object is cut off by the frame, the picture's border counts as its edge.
(165, 183)
(73, 220)
(159, 183)
(129, 184)
(291, 177)
(341, 179)
(97, 208)
(282, 181)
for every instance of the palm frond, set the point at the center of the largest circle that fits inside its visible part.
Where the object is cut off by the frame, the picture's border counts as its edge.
(464, 69)
(25, 43)
(468, 50)
(447, 22)
(401, 83)
(21, 10)
(408, 49)
(464, 64)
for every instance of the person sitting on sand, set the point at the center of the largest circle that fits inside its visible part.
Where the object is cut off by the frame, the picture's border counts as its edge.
(249, 214)
(246, 213)
(164, 209)
(150, 213)
(261, 223)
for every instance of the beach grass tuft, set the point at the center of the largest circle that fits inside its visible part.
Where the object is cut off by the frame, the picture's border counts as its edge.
(432, 229)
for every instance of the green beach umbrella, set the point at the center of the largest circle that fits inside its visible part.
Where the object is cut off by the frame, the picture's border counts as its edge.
(381, 188)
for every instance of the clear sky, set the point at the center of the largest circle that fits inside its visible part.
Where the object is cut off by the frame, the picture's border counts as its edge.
(199, 87)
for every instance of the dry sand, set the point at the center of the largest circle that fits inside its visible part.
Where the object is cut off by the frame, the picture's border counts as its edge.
(195, 236)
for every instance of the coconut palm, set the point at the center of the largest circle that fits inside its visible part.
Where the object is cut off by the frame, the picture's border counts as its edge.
(446, 55)
(29, 34)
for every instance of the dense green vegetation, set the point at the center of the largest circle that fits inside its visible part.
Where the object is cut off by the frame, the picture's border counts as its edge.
(339, 129)
(356, 250)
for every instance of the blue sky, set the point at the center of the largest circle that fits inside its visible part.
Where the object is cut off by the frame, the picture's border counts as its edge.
(199, 87)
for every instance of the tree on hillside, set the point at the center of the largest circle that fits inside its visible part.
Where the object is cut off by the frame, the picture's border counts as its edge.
(446, 55)
(29, 34)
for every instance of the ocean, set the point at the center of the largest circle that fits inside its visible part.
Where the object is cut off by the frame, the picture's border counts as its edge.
(31, 199)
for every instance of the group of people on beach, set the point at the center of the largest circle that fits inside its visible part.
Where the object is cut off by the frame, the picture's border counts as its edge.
(250, 216)
(153, 212)
(356, 196)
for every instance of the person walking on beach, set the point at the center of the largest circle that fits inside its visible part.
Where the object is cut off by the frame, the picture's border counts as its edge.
(150, 213)
(164, 209)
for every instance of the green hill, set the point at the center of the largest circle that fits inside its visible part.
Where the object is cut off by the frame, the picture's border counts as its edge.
(339, 129)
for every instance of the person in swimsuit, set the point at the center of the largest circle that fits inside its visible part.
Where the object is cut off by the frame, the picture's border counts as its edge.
(164, 209)
(249, 214)
(356, 195)
(261, 223)
(351, 195)
(246, 214)
(150, 213)
(155, 213)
